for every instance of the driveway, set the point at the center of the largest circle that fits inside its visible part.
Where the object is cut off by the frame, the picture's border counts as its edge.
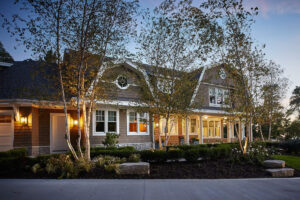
(185, 189)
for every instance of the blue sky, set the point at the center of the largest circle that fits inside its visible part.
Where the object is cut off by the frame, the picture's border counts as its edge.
(277, 26)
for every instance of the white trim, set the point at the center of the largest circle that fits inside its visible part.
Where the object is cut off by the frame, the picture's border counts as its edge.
(10, 112)
(120, 103)
(51, 138)
(138, 122)
(198, 85)
(105, 121)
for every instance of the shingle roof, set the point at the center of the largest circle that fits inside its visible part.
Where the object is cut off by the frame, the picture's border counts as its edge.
(27, 80)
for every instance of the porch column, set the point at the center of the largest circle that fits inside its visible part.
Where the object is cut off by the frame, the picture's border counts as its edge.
(229, 131)
(187, 130)
(201, 130)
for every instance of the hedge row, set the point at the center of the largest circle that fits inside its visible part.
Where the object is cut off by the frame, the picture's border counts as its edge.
(190, 153)
(14, 153)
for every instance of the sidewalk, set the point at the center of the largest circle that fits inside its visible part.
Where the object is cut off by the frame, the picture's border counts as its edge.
(174, 189)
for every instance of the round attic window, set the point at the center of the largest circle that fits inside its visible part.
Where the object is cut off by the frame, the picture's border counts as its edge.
(122, 82)
(222, 73)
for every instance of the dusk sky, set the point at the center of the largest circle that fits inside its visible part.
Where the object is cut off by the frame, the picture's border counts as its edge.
(277, 26)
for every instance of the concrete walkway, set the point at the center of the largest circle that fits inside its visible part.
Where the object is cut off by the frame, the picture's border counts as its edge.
(185, 189)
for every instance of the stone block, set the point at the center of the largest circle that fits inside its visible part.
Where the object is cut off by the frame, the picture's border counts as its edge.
(281, 172)
(142, 168)
(274, 163)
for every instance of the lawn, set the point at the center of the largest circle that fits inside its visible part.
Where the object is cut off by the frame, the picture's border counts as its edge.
(291, 161)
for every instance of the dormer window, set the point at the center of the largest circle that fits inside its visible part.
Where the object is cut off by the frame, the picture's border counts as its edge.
(217, 96)
(122, 82)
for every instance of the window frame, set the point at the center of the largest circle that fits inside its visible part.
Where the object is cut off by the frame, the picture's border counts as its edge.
(161, 126)
(95, 133)
(138, 132)
(214, 129)
(216, 89)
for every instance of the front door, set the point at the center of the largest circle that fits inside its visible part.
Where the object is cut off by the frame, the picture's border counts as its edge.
(58, 131)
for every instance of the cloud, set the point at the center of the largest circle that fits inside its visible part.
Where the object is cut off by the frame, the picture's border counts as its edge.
(267, 7)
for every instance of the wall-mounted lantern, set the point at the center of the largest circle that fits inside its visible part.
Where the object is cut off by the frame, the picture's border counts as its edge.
(24, 120)
(75, 123)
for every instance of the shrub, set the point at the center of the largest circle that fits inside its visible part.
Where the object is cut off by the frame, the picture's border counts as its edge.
(175, 154)
(62, 166)
(153, 156)
(134, 158)
(291, 146)
(113, 168)
(18, 153)
(82, 165)
(36, 168)
(191, 155)
(111, 140)
(101, 161)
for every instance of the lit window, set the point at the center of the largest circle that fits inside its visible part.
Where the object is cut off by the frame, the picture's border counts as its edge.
(172, 126)
(193, 126)
(137, 123)
(211, 128)
(132, 122)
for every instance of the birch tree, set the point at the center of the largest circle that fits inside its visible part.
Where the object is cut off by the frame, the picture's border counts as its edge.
(92, 30)
(176, 38)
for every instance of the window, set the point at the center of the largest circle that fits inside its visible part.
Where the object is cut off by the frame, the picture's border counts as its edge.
(137, 123)
(106, 121)
(122, 82)
(217, 96)
(112, 121)
(5, 119)
(172, 126)
(193, 126)
(100, 121)
(211, 128)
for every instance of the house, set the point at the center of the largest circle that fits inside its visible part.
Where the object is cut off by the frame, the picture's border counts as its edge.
(31, 113)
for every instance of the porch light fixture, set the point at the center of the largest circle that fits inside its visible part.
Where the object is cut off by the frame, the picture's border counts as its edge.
(24, 120)
(225, 118)
(205, 117)
(156, 124)
(75, 122)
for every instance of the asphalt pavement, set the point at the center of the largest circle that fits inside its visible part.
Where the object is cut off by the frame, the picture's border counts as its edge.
(155, 189)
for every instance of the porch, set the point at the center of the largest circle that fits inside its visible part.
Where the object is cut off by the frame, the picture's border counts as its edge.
(198, 129)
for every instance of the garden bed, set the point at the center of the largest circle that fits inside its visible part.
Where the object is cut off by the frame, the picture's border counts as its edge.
(175, 170)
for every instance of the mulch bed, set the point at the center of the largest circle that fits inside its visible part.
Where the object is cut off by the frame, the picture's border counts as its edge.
(175, 170)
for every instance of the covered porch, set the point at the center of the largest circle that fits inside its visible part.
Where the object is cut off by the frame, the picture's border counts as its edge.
(198, 128)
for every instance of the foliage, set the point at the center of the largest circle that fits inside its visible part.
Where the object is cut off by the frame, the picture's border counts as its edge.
(291, 161)
(111, 140)
(153, 156)
(63, 166)
(295, 101)
(134, 158)
(191, 155)
(293, 130)
(291, 146)
(18, 153)
(175, 154)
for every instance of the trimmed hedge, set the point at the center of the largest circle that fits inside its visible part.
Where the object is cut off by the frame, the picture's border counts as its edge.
(15, 153)
(291, 146)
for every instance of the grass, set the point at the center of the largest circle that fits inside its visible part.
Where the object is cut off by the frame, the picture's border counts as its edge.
(291, 161)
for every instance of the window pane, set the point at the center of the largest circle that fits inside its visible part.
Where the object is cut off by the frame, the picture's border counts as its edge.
(143, 122)
(132, 117)
(211, 129)
(100, 127)
(5, 119)
(132, 127)
(100, 116)
(112, 116)
(193, 125)
(112, 127)
(205, 129)
(143, 127)
(212, 96)
(219, 96)
(218, 128)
